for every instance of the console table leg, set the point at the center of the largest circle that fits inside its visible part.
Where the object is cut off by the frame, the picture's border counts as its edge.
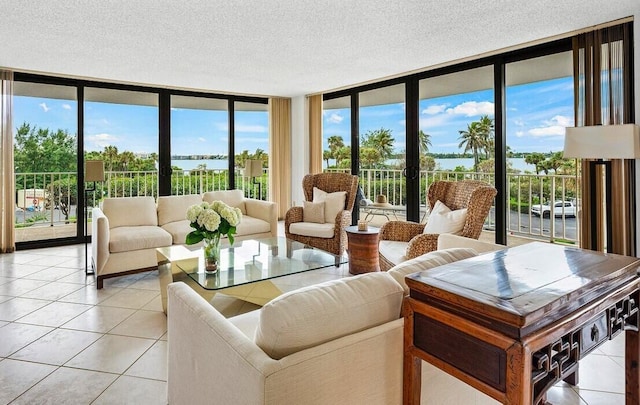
(632, 375)
(412, 374)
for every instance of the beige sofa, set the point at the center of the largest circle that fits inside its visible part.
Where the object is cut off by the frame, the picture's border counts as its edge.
(126, 231)
(338, 342)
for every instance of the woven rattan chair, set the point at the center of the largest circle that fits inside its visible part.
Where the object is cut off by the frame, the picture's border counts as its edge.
(476, 196)
(330, 183)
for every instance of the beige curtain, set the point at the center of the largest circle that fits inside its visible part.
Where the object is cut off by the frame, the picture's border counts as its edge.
(280, 153)
(603, 87)
(315, 134)
(7, 205)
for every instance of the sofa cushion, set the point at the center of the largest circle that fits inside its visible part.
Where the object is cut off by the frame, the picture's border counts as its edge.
(393, 250)
(317, 314)
(310, 229)
(233, 198)
(174, 208)
(428, 261)
(128, 238)
(333, 203)
(313, 212)
(443, 220)
(178, 231)
(250, 225)
(130, 211)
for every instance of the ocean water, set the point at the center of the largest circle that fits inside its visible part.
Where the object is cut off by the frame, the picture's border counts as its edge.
(442, 164)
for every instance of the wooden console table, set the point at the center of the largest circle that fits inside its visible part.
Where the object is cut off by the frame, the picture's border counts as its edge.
(513, 323)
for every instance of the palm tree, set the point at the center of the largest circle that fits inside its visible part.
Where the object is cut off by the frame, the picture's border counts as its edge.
(335, 144)
(381, 140)
(471, 139)
(111, 156)
(486, 130)
(424, 141)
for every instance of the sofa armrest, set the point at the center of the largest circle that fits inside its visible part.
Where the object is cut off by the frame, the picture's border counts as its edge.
(447, 241)
(100, 236)
(401, 231)
(421, 244)
(204, 347)
(264, 210)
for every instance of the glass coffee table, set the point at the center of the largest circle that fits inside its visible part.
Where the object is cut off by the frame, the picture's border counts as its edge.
(245, 271)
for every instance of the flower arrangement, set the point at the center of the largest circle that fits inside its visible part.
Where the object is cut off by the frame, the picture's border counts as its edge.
(211, 220)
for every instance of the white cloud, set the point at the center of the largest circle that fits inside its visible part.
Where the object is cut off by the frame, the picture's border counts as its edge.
(102, 140)
(434, 109)
(66, 106)
(519, 134)
(44, 107)
(335, 118)
(518, 122)
(201, 139)
(554, 127)
(472, 108)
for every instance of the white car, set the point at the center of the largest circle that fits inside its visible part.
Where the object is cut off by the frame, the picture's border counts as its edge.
(560, 208)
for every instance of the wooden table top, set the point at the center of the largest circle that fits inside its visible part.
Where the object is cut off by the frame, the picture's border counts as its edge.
(525, 286)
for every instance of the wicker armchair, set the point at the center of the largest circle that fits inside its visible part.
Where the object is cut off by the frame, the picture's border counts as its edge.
(476, 196)
(330, 183)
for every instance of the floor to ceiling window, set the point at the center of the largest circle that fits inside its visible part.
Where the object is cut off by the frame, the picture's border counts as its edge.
(543, 195)
(251, 143)
(45, 161)
(199, 144)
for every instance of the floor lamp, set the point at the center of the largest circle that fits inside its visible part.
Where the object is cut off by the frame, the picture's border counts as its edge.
(602, 142)
(253, 169)
(93, 171)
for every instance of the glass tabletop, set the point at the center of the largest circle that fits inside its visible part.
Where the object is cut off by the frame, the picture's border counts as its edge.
(254, 260)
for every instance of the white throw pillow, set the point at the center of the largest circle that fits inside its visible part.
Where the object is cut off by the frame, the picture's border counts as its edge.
(313, 315)
(443, 220)
(428, 261)
(333, 203)
(313, 212)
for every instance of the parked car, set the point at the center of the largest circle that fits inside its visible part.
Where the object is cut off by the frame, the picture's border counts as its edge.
(560, 208)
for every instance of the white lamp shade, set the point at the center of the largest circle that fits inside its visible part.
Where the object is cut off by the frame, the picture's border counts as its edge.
(603, 142)
(94, 170)
(253, 168)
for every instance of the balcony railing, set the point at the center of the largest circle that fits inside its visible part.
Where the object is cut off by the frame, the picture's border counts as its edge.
(51, 198)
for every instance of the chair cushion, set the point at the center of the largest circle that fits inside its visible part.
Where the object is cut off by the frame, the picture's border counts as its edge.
(233, 198)
(334, 203)
(312, 229)
(393, 250)
(250, 225)
(174, 208)
(443, 220)
(128, 238)
(313, 212)
(428, 261)
(130, 211)
(316, 314)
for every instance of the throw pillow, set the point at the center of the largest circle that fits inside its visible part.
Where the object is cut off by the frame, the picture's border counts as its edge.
(443, 220)
(428, 261)
(334, 203)
(316, 314)
(313, 212)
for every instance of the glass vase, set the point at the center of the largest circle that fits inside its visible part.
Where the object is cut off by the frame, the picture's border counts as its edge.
(211, 250)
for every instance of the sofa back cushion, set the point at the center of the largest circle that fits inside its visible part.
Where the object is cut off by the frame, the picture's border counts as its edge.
(233, 198)
(317, 314)
(130, 211)
(428, 261)
(174, 208)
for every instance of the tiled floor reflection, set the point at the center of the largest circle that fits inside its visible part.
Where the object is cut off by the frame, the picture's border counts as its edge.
(63, 341)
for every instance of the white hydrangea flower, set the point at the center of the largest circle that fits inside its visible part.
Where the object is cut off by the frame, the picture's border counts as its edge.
(194, 212)
(210, 220)
(230, 215)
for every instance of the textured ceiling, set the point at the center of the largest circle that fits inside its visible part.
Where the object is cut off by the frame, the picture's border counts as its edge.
(271, 47)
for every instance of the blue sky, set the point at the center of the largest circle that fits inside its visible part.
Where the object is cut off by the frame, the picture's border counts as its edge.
(135, 128)
(537, 114)
(536, 117)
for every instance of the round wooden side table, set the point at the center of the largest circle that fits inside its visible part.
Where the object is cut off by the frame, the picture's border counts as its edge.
(363, 249)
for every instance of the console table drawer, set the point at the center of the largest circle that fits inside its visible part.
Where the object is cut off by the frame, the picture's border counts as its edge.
(593, 333)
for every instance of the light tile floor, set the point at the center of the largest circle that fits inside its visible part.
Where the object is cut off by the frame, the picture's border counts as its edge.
(63, 341)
